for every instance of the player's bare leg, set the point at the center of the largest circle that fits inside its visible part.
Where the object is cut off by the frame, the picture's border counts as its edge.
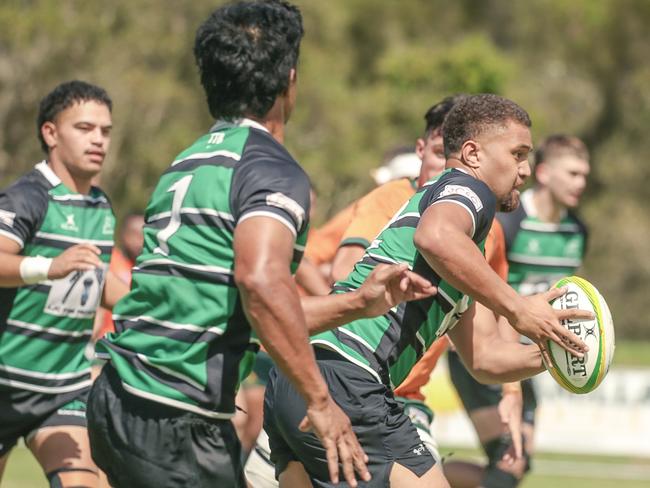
(294, 476)
(487, 424)
(402, 477)
(64, 452)
(3, 464)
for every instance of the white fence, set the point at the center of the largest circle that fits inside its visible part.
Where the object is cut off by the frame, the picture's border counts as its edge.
(614, 419)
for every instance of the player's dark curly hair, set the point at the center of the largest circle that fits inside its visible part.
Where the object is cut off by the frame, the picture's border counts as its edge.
(435, 116)
(245, 52)
(474, 115)
(64, 96)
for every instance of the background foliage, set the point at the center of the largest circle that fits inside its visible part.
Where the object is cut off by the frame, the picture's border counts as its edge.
(369, 69)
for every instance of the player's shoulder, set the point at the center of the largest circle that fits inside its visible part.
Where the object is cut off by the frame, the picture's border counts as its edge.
(32, 187)
(574, 218)
(458, 183)
(265, 156)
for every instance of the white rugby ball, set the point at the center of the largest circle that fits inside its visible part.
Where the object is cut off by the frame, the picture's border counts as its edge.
(582, 375)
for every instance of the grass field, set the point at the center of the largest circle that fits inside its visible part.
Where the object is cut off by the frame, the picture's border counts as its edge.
(550, 471)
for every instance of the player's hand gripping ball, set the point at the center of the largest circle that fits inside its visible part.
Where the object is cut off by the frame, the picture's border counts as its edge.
(582, 375)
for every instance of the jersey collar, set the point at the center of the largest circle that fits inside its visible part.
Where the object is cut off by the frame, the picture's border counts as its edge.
(47, 172)
(243, 122)
(528, 202)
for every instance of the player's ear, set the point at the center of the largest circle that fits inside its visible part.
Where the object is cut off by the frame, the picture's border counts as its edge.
(419, 147)
(49, 133)
(470, 154)
(541, 173)
(293, 76)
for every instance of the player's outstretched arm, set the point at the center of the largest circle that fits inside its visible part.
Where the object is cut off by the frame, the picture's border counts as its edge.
(386, 287)
(443, 238)
(17, 270)
(489, 357)
(263, 251)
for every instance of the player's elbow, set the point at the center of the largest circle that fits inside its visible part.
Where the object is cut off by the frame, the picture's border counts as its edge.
(430, 241)
(486, 368)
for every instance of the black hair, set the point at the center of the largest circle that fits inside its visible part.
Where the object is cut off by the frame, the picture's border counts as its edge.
(558, 145)
(64, 96)
(474, 115)
(435, 116)
(245, 52)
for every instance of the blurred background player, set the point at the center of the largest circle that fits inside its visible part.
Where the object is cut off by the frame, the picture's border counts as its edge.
(545, 241)
(56, 237)
(130, 239)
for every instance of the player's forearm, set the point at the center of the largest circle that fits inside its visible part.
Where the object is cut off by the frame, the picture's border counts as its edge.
(506, 362)
(273, 308)
(10, 275)
(459, 262)
(344, 261)
(329, 312)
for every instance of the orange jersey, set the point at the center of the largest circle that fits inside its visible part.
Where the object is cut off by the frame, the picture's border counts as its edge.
(495, 254)
(323, 242)
(373, 211)
(121, 267)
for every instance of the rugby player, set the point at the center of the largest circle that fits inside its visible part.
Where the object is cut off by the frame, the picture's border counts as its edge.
(545, 241)
(56, 237)
(225, 227)
(440, 234)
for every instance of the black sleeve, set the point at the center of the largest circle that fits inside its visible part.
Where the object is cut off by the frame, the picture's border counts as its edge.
(269, 182)
(468, 192)
(584, 230)
(22, 209)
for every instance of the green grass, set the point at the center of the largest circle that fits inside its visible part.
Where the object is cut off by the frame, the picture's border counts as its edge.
(632, 353)
(551, 470)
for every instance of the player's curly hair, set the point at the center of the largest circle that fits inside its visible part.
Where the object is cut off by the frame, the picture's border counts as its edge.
(64, 96)
(476, 114)
(245, 52)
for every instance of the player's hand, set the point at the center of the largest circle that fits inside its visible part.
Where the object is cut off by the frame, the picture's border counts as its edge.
(510, 411)
(334, 430)
(391, 284)
(538, 321)
(80, 257)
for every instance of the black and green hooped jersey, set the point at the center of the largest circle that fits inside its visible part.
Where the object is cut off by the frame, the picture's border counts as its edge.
(182, 338)
(389, 346)
(44, 328)
(540, 253)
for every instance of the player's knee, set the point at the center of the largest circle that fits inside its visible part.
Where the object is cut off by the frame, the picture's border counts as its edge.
(499, 473)
(73, 478)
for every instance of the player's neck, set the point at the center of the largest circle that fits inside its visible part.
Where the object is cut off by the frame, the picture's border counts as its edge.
(547, 208)
(274, 120)
(73, 183)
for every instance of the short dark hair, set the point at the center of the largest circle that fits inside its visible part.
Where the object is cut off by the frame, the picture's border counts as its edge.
(64, 96)
(435, 116)
(474, 115)
(245, 52)
(558, 145)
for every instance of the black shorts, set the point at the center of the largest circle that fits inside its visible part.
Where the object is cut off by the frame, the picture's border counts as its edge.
(139, 443)
(23, 413)
(475, 395)
(385, 433)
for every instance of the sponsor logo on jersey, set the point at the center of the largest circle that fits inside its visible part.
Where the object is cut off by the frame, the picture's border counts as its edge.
(288, 204)
(463, 191)
(216, 138)
(7, 217)
(69, 223)
(109, 225)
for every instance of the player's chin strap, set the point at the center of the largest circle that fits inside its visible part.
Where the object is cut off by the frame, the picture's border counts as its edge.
(56, 482)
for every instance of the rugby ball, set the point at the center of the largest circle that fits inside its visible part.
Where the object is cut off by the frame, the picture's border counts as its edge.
(582, 375)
